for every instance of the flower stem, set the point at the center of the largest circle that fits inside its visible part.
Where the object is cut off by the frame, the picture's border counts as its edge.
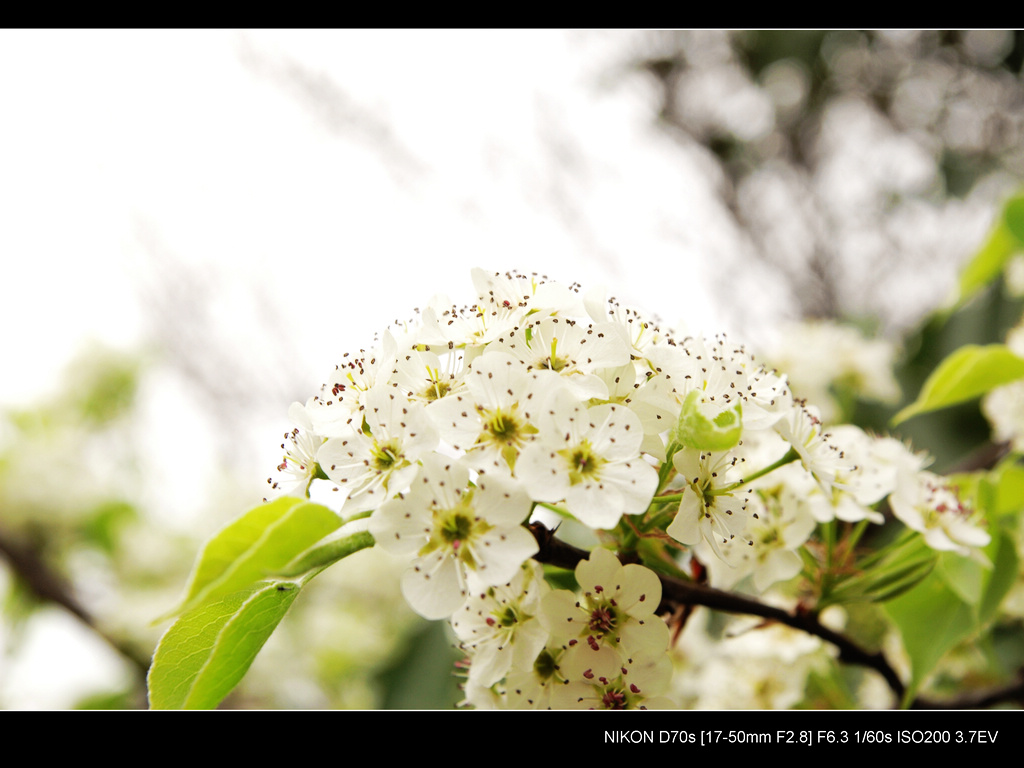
(357, 516)
(789, 458)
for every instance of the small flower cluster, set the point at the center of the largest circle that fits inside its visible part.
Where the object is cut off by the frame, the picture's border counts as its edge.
(455, 428)
(822, 359)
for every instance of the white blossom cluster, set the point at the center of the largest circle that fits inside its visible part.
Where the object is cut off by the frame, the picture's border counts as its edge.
(456, 427)
(822, 359)
(746, 665)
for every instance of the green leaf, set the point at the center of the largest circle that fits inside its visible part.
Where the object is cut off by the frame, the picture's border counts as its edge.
(1003, 575)
(204, 654)
(932, 619)
(967, 578)
(1013, 217)
(262, 542)
(1006, 239)
(969, 372)
(1008, 492)
(957, 600)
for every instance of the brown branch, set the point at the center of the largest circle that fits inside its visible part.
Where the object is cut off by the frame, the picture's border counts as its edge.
(47, 585)
(677, 593)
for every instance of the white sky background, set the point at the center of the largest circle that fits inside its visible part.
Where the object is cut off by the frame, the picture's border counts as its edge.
(460, 149)
(320, 185)
(443, 151)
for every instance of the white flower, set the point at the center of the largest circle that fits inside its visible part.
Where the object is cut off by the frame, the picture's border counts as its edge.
(1004, 409)
(636, 682)
(345, 390)
(573, 351)
(299, 465)
(748, 664)
(706, 368)
(499, 292)
(643, 334)
(802, 428)
(499, 626)
(934, 509)
(709, 511)
(819, 356)
(456, 532)
(425, 377)
(590, 458)
(780, 525)
(616, 610)
(874, 468)
(490, 418)
(533, 686)
(374, 456)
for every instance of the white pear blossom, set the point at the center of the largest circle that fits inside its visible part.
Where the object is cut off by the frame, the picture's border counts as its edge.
(426, 377)
(778, 526)
(375, 456)
(1004, 406)
(534, 686)
(500, 626)
(574, 351)
(528, 293)
(710, 509)
(299, 466)
(643, 334)
(934, 509)
(817, 356)
(345, 390)
(616, 610)
(590, 459)
(461, 536)
(802, 428)
(615, 683)
(490, 420)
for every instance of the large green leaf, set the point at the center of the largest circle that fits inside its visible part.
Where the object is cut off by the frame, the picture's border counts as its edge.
(957, 600)
(931, 619)
(259, 544)
(208, 650)
(1008, 489)
(969, 372)
(1006, 239)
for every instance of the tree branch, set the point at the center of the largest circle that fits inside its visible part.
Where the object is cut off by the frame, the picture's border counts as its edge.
(676, 593)
(49, 586)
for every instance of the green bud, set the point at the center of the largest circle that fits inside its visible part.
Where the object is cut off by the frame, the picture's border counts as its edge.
(708, 427)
